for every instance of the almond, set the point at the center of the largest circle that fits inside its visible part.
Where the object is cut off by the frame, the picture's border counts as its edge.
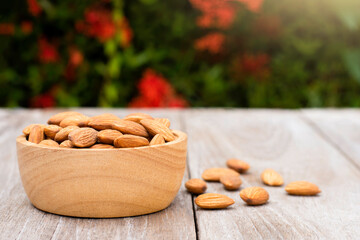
(83, 137)
(128, 141)
(108, 136)
(36, 134)
(302, 188)
(157, 139)
(214, 174)
(196, 185)
(103, 121)
(164, 121)
(129, 127)
(254, 195)
(271, 177)
(67, 144)
(77, 120)
(62, 135)
(57, 118)
(214, 201)
(49, 142)
(238, 165)
(26, 130)
(102, 146)
(137, 117)
(231, 182)
(51, 130)
(154, 127)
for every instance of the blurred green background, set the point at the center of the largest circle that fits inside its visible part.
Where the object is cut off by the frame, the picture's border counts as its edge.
(180, 53)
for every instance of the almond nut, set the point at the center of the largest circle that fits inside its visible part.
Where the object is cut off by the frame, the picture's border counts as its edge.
(129, 127)
(154, 127)
(83, 137)
(36, 134)
(164, 121)
(196, 185)
(238, 165)
(102, 146)
(49, 142)
(137, 117)
(129, 141)
(77, 120)
(254, 195)
(51, 130)
(57, 118)
(214, 201)
(302, 188)
(26, 130)
(271, 177)
(108, 136)
(214, 174)
(231, 182)
(67, 144)
(103, 121)
(62, 135)
(157, 139)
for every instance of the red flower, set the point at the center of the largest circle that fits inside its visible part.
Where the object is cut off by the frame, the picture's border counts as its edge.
(125, 31)
(212, 42)
(26, 27)
(43, 101)
(47, 52)
(7, 28)
(76, 57)
(34, 7)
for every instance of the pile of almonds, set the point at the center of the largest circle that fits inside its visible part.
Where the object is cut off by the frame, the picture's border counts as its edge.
(75, 130)
(230, 178)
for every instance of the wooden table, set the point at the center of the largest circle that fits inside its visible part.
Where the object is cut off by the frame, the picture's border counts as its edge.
(321, 146)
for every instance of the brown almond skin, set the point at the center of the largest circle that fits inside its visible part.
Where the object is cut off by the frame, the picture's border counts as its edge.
(137, 117)
(57, 118)
(214, 174)
(108, 136)
(102, 146)
(103, 121)
(83, 137)
(196, 186)
(254, 195)
(129, 127)
(62, 135)
(49, 142)
(26, 130)
(238, 165)
(36, 134)
(231, 182)
(154, 127)
(129, 141)
(302, 188)
(214, 201)
(157, 139)
(51, 130)
(271, 178)
(78, 120)
(164, 121)
(67, 144)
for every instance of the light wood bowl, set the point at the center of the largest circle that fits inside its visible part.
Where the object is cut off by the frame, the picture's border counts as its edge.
(102, 183)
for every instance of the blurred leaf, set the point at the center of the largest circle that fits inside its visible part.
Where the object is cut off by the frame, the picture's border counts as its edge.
(114, 66)
(352, 61)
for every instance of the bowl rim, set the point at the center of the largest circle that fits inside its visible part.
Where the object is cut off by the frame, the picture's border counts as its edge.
(181, 136)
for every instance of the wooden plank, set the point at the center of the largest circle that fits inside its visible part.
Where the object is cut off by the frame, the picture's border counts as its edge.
(20, 220)
(340, 127)
(283, 141)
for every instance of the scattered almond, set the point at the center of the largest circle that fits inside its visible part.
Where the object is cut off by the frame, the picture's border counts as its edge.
(129, 127)
(62, 135)
(214, 174)
(157, 139)
(57, 118)
(213, 201)
(164, 121)
(103, 121)
(76, 120)
(51, 130)
(108, 136)
(231, 182)
(271, 177)
(302, 188)
(254, 195)
(67, 144)
(49, 142)
(102, 146)
(196, 185)
(137, 117)
(238, 165)
(154, 127)
(83, 137)
(36, 134)
(128, 141)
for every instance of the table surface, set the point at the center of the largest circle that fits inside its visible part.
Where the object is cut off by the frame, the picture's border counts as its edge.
(320, 146)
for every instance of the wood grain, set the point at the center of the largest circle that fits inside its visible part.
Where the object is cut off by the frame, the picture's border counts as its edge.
(283, 141)
(20, 220)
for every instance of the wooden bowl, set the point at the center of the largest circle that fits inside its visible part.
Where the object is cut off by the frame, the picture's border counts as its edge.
(102, 183)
